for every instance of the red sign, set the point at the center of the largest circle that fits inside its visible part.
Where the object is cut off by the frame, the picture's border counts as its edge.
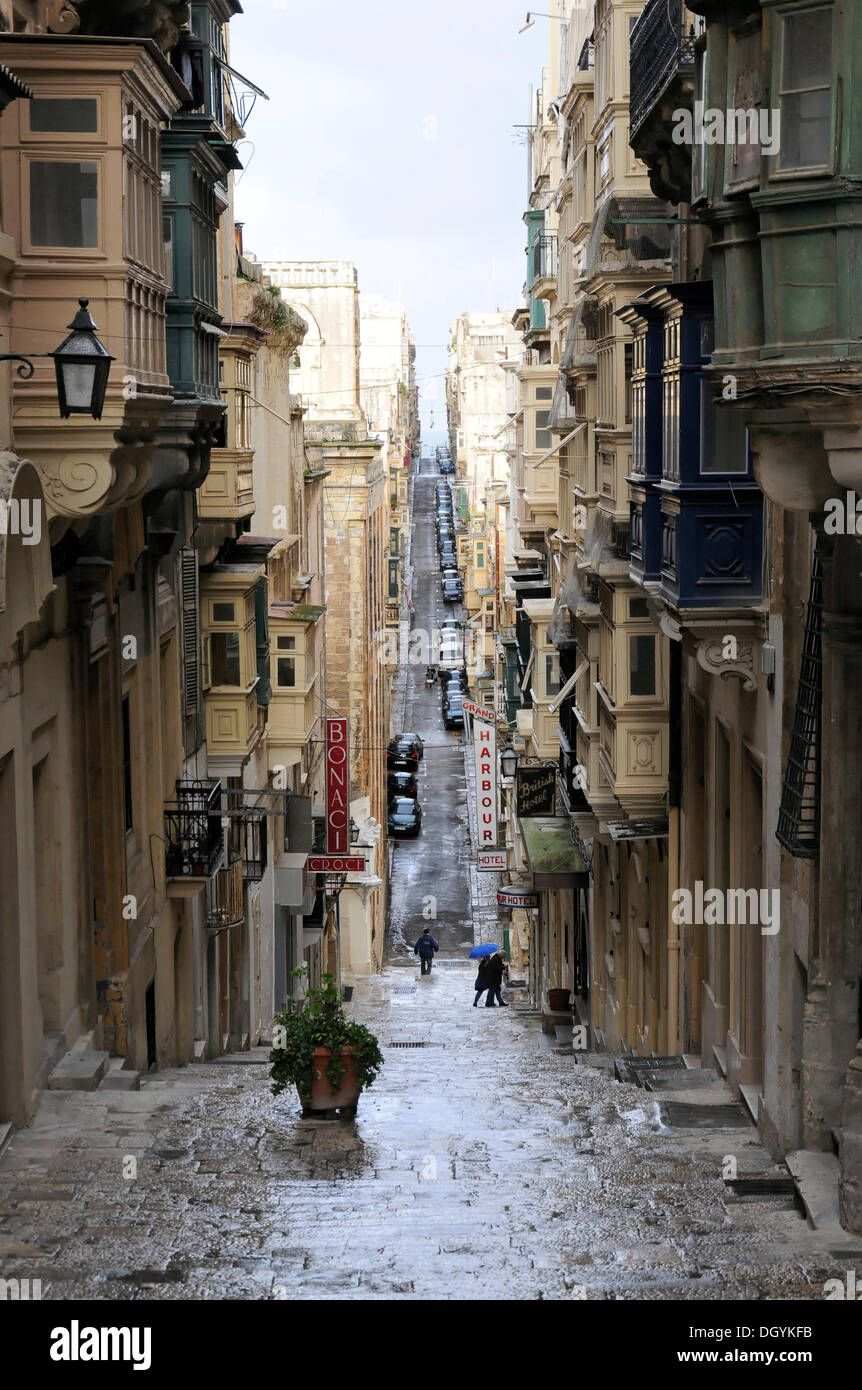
(337, 788)
(478, 711)
(336, 863)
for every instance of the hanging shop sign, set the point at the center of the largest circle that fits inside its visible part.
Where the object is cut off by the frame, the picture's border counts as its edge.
(517, 897)
(485, 752)
(336, 864)
(537, 790)
(337, 788)
(489, 859)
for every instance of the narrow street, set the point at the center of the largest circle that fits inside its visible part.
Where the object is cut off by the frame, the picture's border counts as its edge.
(485, 1163)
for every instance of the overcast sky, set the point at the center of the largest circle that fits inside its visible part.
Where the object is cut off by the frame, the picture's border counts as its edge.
(388, 140)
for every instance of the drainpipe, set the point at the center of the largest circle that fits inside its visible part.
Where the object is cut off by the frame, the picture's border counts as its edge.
(673, 943)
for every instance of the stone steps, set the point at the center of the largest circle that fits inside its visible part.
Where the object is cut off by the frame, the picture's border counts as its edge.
(79, 1070)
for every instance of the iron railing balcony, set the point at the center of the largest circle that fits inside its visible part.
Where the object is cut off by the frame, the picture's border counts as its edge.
(659, 46)
(193, 830)
(543, 258)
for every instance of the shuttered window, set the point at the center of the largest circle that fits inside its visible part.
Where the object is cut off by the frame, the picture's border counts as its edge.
(190, 631)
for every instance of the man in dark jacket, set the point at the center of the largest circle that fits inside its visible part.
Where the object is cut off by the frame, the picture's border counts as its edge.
(424, 949)
(494, 976)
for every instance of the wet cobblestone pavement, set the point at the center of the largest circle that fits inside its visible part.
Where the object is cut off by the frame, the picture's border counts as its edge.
(481, 1165)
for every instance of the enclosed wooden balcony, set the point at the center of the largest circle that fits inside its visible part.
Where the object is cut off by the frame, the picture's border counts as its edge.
(227, 493)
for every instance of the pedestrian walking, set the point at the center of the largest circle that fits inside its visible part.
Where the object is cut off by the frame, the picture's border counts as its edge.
(494, 975)
(425, 948)
(481, 981)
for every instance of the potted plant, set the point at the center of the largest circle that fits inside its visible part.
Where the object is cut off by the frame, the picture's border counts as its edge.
(329, 1058)
(558, 1000)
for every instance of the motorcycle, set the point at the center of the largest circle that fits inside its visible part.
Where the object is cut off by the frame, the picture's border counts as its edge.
(430, 676)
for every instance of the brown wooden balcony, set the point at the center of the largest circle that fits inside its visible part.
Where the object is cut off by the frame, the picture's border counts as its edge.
(225, 906)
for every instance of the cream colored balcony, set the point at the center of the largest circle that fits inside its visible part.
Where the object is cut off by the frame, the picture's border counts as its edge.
(230, 676)
(227, 493)
(295, 706)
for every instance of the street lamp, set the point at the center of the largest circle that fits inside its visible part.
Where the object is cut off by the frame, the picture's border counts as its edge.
(508, 761)
(82, 365)
(533, 15)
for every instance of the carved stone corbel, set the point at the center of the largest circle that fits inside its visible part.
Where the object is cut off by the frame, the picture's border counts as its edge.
(59, 17)
(710, 655)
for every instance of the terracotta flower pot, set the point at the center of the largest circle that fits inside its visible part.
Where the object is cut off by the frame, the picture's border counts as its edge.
(558, 1000)
(323, 1095)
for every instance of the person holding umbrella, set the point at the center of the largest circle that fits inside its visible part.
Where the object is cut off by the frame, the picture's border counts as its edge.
(490, 973)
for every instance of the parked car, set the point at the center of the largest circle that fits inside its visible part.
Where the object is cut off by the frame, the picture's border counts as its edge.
(447, 466)
(453, 591)
(404, 816)
(401, 784)
(445, 519)
(448, 559)
(453, 711)
(403, 753)
(446, 541)
(449, 687)
(449, 573)
(450, 622)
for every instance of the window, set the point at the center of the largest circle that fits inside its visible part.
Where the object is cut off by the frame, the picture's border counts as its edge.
(127, 764)
(553, 683)
(642, 664)
(64, 115)
(723, 436)
(286, 672)
(224, 658)
(168, 241)
(638, 608)
(805, 89)
(544, 393)
(742, 134)
(544, 438)
(224, 613)
(286, 644)
(64, 203)
(480, 555)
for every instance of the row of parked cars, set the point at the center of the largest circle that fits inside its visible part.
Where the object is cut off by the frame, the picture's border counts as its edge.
(450, 579)
(444, 463)
(403, 756)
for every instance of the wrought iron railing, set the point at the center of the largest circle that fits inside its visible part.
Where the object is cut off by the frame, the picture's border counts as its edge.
(251, 835)
(225, 906)
(659, 46)
(543, 257)
(193, 830)
(799, 814)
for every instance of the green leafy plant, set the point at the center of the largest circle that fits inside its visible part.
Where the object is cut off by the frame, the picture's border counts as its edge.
(318, 1021)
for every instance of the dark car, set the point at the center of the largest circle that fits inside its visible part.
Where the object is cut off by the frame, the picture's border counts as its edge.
(450, 622)
(449, 687)
(401, 784)
(404, 753)
(453, 591)
(447, 466)
(405, 816)
(446, 539)
(448, 559)
(453, 711)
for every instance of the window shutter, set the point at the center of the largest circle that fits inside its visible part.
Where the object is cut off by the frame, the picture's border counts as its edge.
(190, 631)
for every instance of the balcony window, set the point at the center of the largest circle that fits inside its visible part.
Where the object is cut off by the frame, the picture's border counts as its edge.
(480, 555)
(544, 438)
(544, 393)
(286, 678)
(553, 682)
(642, 664)
(743, 144)
(224, 613)
(723, 436)
(805, 89)
(64, 203)
(224, 658)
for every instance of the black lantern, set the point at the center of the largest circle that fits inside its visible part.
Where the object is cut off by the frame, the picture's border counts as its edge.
(82, 365)
(508, 761)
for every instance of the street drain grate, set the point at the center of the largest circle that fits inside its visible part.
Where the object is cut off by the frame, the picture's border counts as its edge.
(404, 989)
(405, 1044)
(462, 963)
(763, 1185)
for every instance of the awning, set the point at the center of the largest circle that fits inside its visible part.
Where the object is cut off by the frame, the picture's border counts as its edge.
(572, 337)
(555, 862)
(529, 669)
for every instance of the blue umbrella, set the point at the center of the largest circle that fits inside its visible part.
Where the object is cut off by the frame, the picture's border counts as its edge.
(486, 950)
